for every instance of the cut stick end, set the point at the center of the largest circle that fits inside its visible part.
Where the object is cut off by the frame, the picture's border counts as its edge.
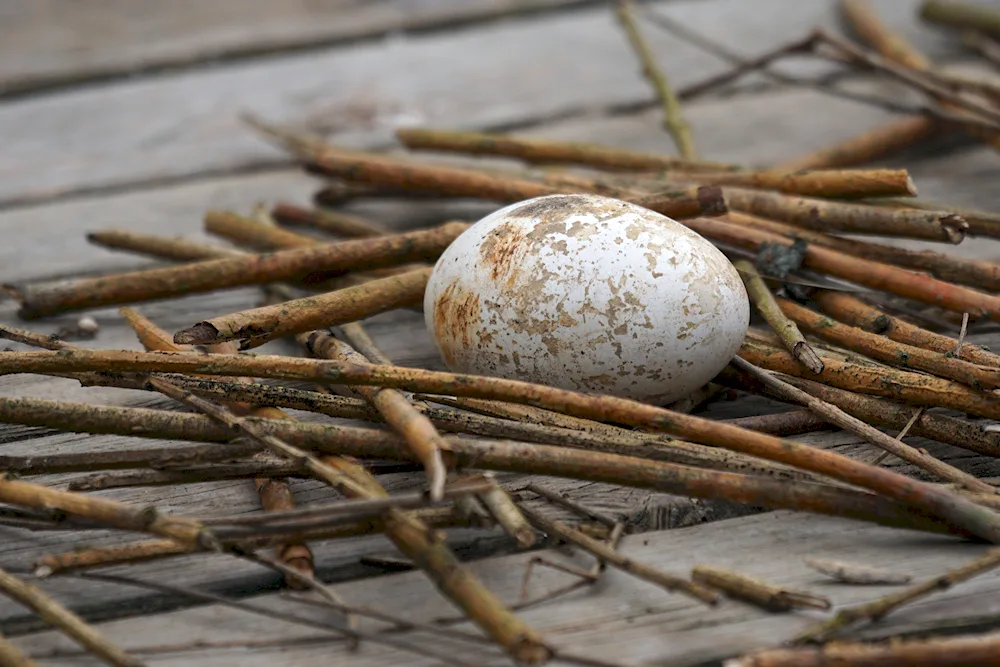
(806, 355)
(955, 227)
(711, 200)
(910, 186)
(200, 334)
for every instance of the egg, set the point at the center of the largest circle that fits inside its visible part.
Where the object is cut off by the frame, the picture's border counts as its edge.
(587, 293)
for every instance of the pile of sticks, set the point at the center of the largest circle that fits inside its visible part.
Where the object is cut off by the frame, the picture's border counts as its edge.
(841, 343)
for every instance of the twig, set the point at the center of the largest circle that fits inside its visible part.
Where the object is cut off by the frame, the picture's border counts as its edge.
(884, 277)
(961, 651)
(673, 118)
(961, 15)
(416, 429)
(975, 273)
(869, 146)
(769, 309)
(571, 505)
(547, 151)
(890, 414)
(838, 216)
(878, 609)
(855, 312)
(837, 416)
(11, 656)
(210, 275)
(902, 434)
(331, 222)
(755, 591)
(851, 573)
(505, 511)
(793, 422)
(180, 250)
(961, 335)
(66, 621)
(611, 557)
(146, 550)
(260, 325)
(891, 352)
(455, 182)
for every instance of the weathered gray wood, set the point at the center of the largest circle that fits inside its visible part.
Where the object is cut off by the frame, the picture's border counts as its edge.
(185, 124)
(56, 42)
(621, 620)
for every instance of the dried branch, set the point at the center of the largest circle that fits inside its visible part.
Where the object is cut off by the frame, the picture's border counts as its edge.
(331, 222)
(875, 275)
(837, 216)
(548, 152)
(865, 148)
(61, 618)
(416, 429)
(961, 15)
(756, 592)
(673, 118)
(859, 428)
(607, 554)
(180, 250)
(878, 609)
(768, 307)
(851, 573)
(783, 424)
(210, 275)
(855, 312)
(961, 651)
(976, 273)
(260, 325)
(891, 352)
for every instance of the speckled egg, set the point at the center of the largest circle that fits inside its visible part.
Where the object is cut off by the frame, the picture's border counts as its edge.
(587, 293)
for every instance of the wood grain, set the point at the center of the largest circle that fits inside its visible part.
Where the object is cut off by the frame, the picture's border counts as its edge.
(508, 73)
(51, 43)
(621, 620)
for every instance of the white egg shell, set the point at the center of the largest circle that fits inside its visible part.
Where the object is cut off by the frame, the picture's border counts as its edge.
(587, 293)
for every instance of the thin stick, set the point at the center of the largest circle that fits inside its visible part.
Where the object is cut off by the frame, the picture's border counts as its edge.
(755, 591)
(899, 436)
(884, 277)
(502, 508)
(673, 118)
(851, 573)
(11, 656)
(841, 183)
(869, 146)
(570, 504)
(211, 275)
(837, 216)
(936, 501)
(416, 429)
(837, 416)
(975, 273)
(607, 554)
(180, 250)
(890, 352)
(794, 422)
(890, 414)
(66, 621)
(961, 15)
(145, 550)
(879, 609)
(455, 182)
(855, 312)
(768, 307)
(961, 651)
(260, 325)
(331, 222)
(546, 151)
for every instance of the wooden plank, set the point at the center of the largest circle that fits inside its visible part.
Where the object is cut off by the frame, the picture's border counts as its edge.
(501, 75)
(58, 42)
(621, 620)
